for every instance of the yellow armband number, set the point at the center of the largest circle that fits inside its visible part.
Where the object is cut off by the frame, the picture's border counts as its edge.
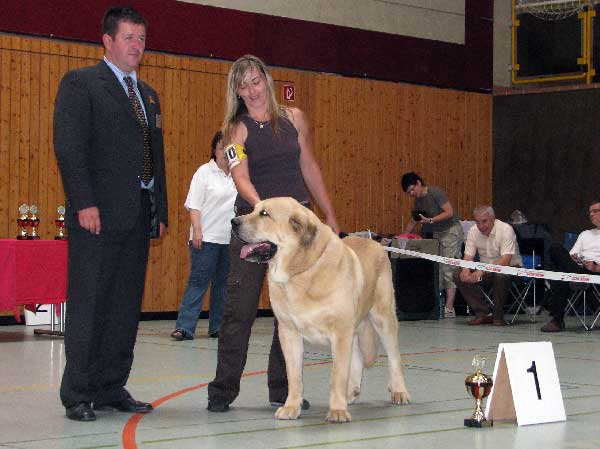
(235, 153)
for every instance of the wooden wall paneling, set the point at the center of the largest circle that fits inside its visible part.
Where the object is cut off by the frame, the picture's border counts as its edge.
(453, 153)
(390, 160)
(43, 144)
(192, 142)
(347, 134)
(388, 163)
(321, 129)
(452, 128)
(371, 144)
(16, 197)
(160, 274)
(155, 269)
(469, 170)
(484, 131)
(182, 145)
(363, 121)
(332, 137)
(214, 112)
(401, 152)
(29, 124)
(205, 126)
(6, 217)
(365, 135)
(187, 166)
(56, 68)
(367, 120)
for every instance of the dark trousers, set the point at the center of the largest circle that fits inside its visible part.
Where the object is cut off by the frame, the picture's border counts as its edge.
(561, 259)
(104, 293)
(474, 297)
(241, 302)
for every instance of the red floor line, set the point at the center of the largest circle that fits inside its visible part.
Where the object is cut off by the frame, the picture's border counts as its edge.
(130, 428)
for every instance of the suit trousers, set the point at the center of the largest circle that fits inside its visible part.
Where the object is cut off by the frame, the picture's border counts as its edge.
(104, 293)
(244, 284)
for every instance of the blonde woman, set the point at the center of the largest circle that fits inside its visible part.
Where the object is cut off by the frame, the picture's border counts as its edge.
(276, 160)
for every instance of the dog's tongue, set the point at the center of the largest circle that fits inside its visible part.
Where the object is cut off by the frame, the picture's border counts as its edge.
(251, 247)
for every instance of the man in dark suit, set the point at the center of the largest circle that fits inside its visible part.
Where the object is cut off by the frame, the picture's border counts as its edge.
(109, 146)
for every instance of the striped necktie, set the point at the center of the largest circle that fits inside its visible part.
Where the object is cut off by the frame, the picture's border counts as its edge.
(147, 169)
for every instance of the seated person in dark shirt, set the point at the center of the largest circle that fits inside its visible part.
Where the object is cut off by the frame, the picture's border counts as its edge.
(583, 258)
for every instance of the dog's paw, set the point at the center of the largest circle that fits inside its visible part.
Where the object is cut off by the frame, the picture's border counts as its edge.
(353, 394)
(287, 412)
(400, 397)
(338, 416)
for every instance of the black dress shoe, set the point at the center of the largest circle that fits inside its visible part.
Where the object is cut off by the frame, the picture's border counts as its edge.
(125, 405)
(213, 335)
(217, 405)
(81, 412)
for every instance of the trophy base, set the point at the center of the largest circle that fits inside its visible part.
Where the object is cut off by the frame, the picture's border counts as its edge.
(470, 422)
(22, 237)
(64, 237)
(33, 237)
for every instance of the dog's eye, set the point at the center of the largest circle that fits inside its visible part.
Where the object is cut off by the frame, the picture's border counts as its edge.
(263, 213)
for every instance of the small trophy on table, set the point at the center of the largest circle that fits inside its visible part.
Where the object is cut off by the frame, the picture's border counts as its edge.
(60, 224)
(479, 386)
(23, 221)
(34, 222)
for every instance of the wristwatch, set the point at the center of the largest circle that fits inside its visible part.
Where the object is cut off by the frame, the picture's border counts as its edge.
(431, 221)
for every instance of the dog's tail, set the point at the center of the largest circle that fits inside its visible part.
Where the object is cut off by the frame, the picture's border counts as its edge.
(367, 341)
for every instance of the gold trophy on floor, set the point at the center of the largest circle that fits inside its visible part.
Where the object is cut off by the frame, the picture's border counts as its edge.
(34, 222)
(479, 386)
(23, 221)
(60, 224)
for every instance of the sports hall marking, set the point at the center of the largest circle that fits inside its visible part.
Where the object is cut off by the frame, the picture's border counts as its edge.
(129, 431)
(128, 436)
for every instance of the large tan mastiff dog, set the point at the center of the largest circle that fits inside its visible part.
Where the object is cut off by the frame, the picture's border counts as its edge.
(328, 291)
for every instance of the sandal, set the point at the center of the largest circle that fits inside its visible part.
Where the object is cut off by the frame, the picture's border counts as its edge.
(179, 335)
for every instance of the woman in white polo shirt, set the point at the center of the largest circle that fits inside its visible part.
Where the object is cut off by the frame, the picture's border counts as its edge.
(210, 203)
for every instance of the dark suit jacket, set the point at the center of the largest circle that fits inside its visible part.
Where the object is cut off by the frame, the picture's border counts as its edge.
(99, 147)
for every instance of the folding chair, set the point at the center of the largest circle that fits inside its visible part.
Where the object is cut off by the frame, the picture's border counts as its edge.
(580, 291)
(487, 294)
(532, 254)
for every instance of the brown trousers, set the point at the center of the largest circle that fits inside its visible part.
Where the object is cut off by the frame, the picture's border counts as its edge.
(473, 295)
(244, 284)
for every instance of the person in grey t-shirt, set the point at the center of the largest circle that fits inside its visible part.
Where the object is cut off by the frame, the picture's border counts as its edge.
(432, 209)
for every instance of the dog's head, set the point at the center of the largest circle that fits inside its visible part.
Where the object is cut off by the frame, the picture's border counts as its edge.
(276, 224)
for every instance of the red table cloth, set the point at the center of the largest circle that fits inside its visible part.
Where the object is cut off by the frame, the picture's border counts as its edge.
(32, 272)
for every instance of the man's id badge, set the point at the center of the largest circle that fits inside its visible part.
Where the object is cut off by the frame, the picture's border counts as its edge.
(158, 121)
(235, 153)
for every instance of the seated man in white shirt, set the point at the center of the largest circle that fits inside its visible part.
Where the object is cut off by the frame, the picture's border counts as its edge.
(583, 258)
(496, 243)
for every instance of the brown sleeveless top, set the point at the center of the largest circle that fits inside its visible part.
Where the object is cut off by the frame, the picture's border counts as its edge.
(273, 161)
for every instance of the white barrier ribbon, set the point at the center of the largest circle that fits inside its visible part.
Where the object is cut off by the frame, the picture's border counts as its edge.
(515, 271)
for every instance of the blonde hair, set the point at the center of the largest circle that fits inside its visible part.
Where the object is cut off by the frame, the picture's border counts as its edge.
(234, 105)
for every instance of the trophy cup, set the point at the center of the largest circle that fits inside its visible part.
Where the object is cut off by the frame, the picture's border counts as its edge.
(23, 221)
(34, 222)
(60, 224)
(479, 386)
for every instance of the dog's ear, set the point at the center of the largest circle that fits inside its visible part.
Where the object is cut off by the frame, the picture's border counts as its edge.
(305, 230)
